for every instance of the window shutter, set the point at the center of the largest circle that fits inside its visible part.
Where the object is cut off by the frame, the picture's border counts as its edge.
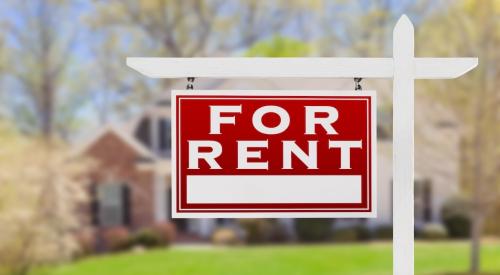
(94, 206)
(427, 200)
(165, 138)
(126, 204)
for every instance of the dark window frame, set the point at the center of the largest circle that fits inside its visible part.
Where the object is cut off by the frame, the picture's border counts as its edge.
(124, 205)
(165, 137)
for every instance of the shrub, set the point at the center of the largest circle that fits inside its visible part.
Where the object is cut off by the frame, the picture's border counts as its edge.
(166, 232)
(351, 234)
(345, 235)
(116, 238)
(145, 238)
(256, 230)
(311, 230)
(383, 232)
(263, 230)
(86, 242)
(279, 234)
(456, 218)
(458, 226)
(433, 231)
(225, 236)
(364, 233)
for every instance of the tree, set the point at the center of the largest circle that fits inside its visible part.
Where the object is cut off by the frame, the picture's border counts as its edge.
(279, 46)
(166, 28)
(470, 28)
(41, 189)
(364, 28)
(39, 48)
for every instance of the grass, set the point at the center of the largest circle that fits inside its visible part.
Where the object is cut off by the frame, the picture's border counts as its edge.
(371, 259)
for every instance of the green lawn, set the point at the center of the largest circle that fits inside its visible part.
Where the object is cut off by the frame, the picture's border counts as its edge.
(374, 258)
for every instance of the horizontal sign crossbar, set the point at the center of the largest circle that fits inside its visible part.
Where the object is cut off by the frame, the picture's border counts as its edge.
(320, 67)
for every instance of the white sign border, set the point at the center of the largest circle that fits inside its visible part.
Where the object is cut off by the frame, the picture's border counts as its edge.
(235, 92)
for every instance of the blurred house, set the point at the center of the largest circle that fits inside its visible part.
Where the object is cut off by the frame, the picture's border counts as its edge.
(131, 185)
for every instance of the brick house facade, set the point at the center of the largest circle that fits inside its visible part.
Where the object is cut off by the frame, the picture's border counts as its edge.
(118, 163)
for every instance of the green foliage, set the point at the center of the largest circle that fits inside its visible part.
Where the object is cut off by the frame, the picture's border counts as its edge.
(433, 232)
(364, 233)
(41, 68)
(313, 230)
(263, 230)
(119, 238)
(166, 232)
(345, 235)
(383, 232)
(145, 238)
(458, 226)
(170, 29)
(279, 233)
(456, 217)
(256, 230)
(279, 46)
(470, 28)
(116, 238)
(225, 236)
(351, 234)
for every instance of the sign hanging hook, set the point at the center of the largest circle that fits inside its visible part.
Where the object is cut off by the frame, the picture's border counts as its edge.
(357, 84)
(190, 85)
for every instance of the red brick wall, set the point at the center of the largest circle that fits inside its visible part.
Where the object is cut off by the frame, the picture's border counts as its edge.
(116, 161)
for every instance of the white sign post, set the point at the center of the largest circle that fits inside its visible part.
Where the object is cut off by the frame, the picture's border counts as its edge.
(403, 67)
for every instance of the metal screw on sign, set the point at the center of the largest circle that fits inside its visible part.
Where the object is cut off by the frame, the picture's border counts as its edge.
(190, 85)
(357, 84)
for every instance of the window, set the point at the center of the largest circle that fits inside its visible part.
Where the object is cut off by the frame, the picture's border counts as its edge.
(111, 205)
(165, 137)
(384, 126)
(423, 201)
(143, 132)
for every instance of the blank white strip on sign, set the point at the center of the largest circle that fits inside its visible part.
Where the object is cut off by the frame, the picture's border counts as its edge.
(274, 189)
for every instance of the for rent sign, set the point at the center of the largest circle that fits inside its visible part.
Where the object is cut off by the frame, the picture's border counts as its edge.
(273, 154)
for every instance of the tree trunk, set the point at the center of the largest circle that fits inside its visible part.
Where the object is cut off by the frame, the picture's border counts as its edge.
(47, 109)
(477, 229)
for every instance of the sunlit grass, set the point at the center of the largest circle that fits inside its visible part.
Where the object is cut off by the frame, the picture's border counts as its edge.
(373, 258)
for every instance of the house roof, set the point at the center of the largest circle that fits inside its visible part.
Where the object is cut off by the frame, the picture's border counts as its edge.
(138, 147)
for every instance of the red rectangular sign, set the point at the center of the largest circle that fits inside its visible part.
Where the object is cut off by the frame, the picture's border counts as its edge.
(273, 154)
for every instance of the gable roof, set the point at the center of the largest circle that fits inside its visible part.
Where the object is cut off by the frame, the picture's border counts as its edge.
(134, 144)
